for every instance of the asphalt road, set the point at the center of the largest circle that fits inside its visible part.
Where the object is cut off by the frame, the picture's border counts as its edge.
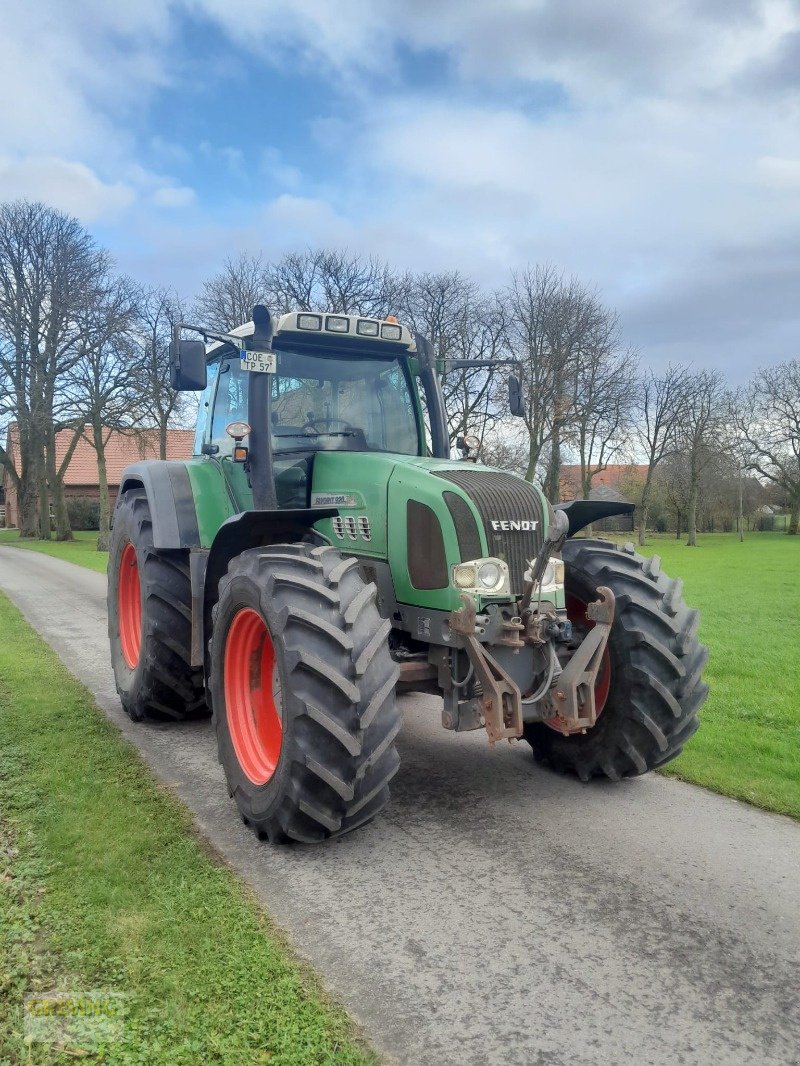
(497, 913)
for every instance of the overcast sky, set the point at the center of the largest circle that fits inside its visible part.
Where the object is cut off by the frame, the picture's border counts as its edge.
(651, 148)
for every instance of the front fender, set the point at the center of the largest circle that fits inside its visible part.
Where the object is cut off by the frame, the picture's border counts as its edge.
(582, 513)
(250, 529)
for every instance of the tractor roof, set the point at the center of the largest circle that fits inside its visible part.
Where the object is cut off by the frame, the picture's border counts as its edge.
(353, 327)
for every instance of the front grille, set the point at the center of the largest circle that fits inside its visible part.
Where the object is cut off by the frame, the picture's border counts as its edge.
(502, 497)
(469, 540)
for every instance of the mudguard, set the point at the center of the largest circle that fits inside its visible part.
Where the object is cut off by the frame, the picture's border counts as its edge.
(250, 529)
(582, 513)
(169, 493)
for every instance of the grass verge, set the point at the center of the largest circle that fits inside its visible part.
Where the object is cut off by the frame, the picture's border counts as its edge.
(82, 550)
(104, 885)
(748, 744)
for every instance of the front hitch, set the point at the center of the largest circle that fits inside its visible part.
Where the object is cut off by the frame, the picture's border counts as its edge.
(501, 700)
(571, 702)
(573, 697)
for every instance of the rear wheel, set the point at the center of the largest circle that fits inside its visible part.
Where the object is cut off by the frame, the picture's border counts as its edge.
(650, 688)
(302, 686)
(149, 619)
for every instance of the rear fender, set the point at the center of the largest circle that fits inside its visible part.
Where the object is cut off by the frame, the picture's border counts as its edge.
(171, 500)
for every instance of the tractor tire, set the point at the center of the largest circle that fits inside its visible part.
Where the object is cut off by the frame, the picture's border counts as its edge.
(651, 680)
(149, 619)
(303, 693)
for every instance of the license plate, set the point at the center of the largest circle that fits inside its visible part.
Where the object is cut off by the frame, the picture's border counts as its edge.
(260, 362)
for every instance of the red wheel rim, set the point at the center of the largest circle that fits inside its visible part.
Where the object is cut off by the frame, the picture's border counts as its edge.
(129, 607)
(576, 612)
(253, 696)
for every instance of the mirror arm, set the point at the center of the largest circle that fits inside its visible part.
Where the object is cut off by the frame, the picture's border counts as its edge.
(207, 334)
(468, 364)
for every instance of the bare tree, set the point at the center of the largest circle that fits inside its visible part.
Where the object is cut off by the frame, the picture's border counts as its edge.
(50, 269)
(576, 333)
(506, 448)
(105, 384)
(352, 283)
(673, 479)
(768, 414)
(293, 282)
(333, 280)
(661, 401)
(159, 404)
(702, 436)
(227, 299)
(461, 323)
(476, 397)
(534, 303)
(605, 389)
(563, 338)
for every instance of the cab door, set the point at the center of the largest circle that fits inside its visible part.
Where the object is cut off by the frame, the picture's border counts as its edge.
(229, 405)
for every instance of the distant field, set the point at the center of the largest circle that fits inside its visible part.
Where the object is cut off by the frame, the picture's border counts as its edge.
(82, 550)
(749, 595)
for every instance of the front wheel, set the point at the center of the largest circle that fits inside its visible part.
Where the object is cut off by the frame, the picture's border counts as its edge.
(303, 692)
(650, 688)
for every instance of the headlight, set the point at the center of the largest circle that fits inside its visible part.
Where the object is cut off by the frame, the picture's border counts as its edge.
(553, 573)
(490, 575)
(482, 576)
(549, 575)
(464, 576)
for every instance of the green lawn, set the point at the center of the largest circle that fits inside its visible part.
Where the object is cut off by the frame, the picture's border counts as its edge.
(748, 745)
(82, 550)
(105, 886)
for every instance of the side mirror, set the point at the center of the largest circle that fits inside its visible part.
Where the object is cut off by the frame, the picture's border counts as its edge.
(187, 365)
(515, 404)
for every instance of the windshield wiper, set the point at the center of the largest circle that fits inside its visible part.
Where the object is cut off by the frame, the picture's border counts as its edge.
(323, 433)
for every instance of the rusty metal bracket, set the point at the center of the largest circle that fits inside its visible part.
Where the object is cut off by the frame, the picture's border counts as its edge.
(501, 699)
(573, 699)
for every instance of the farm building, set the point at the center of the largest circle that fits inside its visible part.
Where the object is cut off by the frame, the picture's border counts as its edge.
(609, 484)
(81, 479)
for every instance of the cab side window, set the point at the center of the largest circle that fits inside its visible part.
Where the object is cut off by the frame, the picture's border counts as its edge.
(203, 425)
(230, 404)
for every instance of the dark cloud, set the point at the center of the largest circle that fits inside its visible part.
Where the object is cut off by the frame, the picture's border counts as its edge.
(777, 73)
(646, 47)
(735, 308)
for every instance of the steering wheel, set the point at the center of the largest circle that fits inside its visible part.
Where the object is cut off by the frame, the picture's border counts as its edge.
(312, 422)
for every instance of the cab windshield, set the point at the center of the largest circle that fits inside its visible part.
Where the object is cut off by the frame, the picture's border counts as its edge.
(325, 403)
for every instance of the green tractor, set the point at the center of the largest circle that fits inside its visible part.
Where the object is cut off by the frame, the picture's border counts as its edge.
(322, 552)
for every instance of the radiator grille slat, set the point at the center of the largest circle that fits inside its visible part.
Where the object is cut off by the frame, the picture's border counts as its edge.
(499, 496)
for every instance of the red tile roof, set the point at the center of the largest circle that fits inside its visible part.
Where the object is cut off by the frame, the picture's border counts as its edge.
(122, 449)
(610, 478)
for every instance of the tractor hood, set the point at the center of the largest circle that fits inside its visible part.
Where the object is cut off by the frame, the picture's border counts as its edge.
(425, 515)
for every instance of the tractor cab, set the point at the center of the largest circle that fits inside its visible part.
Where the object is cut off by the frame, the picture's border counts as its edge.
(333, 392)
